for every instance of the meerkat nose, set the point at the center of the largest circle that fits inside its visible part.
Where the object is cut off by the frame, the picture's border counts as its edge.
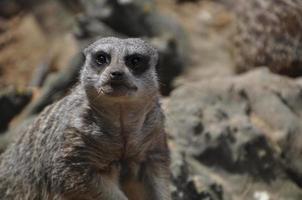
(116, 75)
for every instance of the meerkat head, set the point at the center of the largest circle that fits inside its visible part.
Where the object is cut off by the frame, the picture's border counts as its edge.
(120, 69)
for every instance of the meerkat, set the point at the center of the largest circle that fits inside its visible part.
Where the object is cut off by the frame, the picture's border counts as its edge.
(103, 141)
(268, 33)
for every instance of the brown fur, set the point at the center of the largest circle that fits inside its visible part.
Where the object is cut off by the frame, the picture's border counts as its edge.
(92, 146)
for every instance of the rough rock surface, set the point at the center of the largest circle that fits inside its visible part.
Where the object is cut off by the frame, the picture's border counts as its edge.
(244, 126)
(268, 33)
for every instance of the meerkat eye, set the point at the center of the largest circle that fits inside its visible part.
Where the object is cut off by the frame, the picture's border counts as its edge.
(137, 63)
(102, 58)
(135, 60)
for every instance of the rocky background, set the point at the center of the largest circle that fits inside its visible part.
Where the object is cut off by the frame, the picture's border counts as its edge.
(230, 79)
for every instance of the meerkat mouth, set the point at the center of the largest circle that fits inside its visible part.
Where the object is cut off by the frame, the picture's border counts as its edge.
(118, 88)
(121, 85)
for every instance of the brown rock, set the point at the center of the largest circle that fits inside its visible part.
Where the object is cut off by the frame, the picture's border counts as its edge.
(268, 33)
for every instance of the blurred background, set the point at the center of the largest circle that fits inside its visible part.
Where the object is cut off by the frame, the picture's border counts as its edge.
(229, 74)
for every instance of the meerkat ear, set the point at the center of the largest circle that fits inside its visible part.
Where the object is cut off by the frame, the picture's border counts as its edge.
(85, 51)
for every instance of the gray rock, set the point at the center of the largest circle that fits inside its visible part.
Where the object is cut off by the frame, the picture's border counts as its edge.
(129, 17)
(56, 86)
(12, 102)
(187, 185)
(248, 125)
(89, 29)
(170, 64)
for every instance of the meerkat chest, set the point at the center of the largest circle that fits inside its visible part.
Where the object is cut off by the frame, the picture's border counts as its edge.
(133, 141)
(117, 137)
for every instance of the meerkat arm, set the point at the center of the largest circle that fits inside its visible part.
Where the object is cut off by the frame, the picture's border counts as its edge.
(157, 181)
(109, 186)
(156, 171)
(150, 180)
(103, 186)
(109, 190)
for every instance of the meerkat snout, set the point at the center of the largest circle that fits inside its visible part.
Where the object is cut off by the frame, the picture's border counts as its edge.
(120, 69)
(116, 75)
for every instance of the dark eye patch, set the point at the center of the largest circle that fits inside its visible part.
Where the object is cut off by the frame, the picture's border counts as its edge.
(101, 58)
(138, 63)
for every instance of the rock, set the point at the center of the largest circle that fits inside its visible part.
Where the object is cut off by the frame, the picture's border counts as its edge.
(22, 37)
(52, 17)
(248, 125)
(195, 181)
(268, 33)
(170, 65)
(12, 101)
(56, 86)
(126, 17)
(185, 1)
(9, 8)
(74, 6)
(40, 73)
(10, 135)
(188, 185)
(89, 29)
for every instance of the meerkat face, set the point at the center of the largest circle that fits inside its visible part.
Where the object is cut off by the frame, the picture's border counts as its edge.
(120, 69)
